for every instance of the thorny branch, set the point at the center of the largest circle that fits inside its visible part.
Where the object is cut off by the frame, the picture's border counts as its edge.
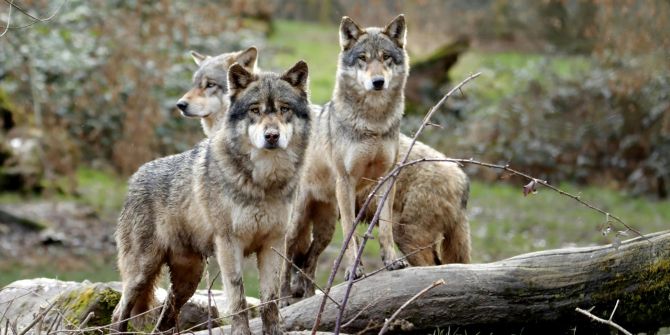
(608, 322)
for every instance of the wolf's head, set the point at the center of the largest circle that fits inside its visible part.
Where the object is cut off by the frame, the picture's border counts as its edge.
(268, 111)
(374, 58)
(207, 95)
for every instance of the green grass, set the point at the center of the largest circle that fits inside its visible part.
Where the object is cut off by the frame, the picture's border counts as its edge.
(504, 72)
(88, 267)
(317, 44)
(504, 223)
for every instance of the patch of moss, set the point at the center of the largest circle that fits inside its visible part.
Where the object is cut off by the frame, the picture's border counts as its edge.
(647, 306)
(97, 298)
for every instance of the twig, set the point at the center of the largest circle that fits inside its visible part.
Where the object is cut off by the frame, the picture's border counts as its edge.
(9, 18)
(163, 309)
(607, 322)
(614, 310)
(53, 323)
(240, 312)
(12, 327)
(506, 168)
(391, 178)
(361, 312)
(35, 19)
(86, 320)
(368, 275)
(387, 323)
(209, 299)
(7, 310)
(306, 276)
(37, 319)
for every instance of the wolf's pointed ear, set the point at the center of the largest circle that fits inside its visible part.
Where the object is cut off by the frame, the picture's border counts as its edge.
(297, 75)
(238, 77)
(397, 30)
(198, 58)
(247, 58)
(349, 32)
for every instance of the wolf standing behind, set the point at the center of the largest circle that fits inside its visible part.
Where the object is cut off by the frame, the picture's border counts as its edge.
(235, 188)
(358, 132)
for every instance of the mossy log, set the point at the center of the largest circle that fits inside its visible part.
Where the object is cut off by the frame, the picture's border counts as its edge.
(530, 293)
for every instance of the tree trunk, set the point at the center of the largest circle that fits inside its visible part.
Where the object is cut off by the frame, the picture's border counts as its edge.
(530, 293)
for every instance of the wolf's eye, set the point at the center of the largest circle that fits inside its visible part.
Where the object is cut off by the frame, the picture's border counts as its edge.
(386, 56)
(210, 84)
(284, 109)
(362, 57)
(254, 110)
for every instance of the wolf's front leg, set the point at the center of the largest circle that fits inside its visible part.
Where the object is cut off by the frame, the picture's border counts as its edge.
(386, 242)
(269, 265)
(346, 200)
(229, 253)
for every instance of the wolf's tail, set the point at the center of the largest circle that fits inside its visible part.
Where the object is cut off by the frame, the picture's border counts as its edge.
(455, 248)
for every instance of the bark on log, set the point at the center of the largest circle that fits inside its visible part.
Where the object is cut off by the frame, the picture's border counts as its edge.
(530, 293)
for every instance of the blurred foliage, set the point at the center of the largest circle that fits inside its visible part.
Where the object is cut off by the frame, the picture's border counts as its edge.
(608, 127)
(101, 79)
(572, 89)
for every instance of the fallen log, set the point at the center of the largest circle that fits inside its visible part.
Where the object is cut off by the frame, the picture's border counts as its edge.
(530, 293)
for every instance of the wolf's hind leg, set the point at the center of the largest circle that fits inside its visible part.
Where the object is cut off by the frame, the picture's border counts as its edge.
(388, 253)
(139, 274)
(324, 217)
(297, 236)
(185, 273)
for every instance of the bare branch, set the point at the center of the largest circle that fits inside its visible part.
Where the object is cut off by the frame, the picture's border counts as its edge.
(368, 275)
(544, 183)
(163, 309)
(373, 302)
(387, 323)
(37, 319)
(9, 18)
(86, 320)
(306, 276)
(32, 17)
(607, 322)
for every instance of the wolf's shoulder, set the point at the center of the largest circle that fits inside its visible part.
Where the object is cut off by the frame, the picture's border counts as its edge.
(168, 167)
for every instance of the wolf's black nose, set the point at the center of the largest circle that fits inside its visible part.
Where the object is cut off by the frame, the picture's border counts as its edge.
(182, 105)
(272, 137)
(378, 83)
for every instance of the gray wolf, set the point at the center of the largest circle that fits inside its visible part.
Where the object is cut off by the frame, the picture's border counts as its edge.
(208, 92)
(354, 139)
(229, 196)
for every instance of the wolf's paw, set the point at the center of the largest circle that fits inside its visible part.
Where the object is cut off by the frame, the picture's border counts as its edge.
(272, 330)
(357, 274)
(298, 289)
(396, 264)
(241, 330)
(284, 303)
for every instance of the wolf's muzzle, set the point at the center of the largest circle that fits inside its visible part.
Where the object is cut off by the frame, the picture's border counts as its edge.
(378, 83)
(182, 105)
(271, 138)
